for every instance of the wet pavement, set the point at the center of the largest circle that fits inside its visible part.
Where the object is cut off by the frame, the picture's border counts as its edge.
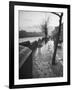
(42, 59)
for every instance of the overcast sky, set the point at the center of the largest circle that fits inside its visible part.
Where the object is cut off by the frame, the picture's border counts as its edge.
(31, 21)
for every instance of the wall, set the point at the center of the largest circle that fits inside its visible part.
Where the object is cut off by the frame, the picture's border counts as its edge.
(4, 45)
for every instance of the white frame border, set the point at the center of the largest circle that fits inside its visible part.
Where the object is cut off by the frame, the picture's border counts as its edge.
(16, 58)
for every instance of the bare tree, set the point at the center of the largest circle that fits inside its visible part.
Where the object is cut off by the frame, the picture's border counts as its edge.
(57, 38)
(44, 27)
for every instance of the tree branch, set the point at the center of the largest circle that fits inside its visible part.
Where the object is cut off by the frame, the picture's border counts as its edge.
(55, 14)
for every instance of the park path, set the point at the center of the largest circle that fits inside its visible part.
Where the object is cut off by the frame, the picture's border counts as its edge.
(42, 63)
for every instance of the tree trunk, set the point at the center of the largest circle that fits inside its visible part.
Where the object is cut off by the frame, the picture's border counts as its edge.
(57, 40)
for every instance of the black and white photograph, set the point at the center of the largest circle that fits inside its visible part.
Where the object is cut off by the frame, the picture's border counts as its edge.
(39, 43)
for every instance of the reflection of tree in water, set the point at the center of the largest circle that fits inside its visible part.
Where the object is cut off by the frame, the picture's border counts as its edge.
(39, 51)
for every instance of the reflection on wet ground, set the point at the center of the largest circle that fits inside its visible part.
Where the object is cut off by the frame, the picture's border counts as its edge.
(42, 51)
(42, 59)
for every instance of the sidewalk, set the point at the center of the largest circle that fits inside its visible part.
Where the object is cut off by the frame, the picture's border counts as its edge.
(42, 67)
